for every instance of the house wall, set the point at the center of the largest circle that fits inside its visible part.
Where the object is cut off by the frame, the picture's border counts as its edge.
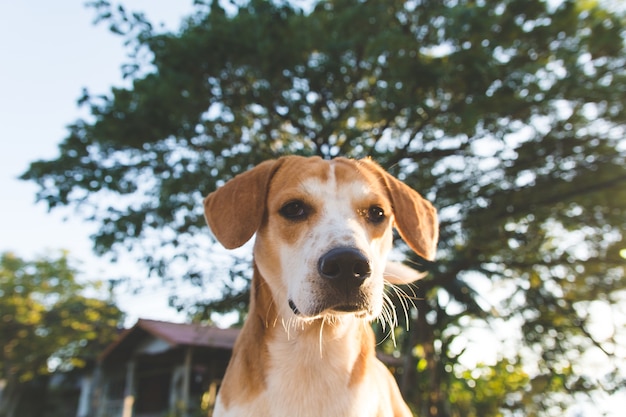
(158, 381)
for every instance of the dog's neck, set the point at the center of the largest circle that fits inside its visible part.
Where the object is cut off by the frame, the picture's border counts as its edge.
(290, 350)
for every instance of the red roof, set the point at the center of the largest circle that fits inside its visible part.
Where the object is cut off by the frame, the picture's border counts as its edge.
(177, 334)
(190, 334)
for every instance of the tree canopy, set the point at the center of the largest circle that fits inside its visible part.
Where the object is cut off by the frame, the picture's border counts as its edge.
(47, 322)
(508, 115)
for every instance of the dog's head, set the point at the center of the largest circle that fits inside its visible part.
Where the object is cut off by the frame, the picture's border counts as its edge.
(323, 230)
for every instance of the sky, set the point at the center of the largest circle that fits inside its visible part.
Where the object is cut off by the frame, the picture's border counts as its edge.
(49, 52)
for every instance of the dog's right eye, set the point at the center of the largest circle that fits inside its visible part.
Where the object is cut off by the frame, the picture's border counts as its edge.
(294, 210)
(375, 214)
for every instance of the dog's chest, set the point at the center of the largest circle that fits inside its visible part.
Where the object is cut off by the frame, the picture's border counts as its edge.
(309, 380)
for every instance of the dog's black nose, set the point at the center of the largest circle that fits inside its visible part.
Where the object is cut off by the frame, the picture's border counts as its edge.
(344, 265)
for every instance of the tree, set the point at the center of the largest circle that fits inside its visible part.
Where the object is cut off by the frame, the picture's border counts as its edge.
(508, 114)
(46, 323)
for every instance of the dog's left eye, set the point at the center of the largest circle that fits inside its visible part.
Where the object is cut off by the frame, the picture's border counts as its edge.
(294, 210)
(375, 214)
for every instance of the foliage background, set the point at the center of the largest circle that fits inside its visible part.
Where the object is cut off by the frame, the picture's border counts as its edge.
(49, 322)
(507, 114)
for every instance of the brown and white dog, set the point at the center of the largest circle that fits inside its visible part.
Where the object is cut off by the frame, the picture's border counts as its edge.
(323, 232)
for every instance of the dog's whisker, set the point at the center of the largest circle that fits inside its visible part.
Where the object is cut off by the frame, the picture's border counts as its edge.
(403, 302)
(321, 336)
(383, 318)
(389, 316)
(293, 324)
(406, 300)
(391, 308)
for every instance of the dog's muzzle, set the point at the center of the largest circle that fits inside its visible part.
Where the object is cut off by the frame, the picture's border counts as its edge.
(343, 271)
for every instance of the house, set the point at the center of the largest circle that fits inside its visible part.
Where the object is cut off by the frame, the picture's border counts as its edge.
(159, 369)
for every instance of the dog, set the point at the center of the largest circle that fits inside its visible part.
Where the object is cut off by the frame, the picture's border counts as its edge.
(323, 232)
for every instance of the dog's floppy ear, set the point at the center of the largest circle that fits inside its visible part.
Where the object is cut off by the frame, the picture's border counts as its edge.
(234, 212)
(415, 217)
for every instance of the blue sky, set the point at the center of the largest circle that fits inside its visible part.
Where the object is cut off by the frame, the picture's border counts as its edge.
(49, 51)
